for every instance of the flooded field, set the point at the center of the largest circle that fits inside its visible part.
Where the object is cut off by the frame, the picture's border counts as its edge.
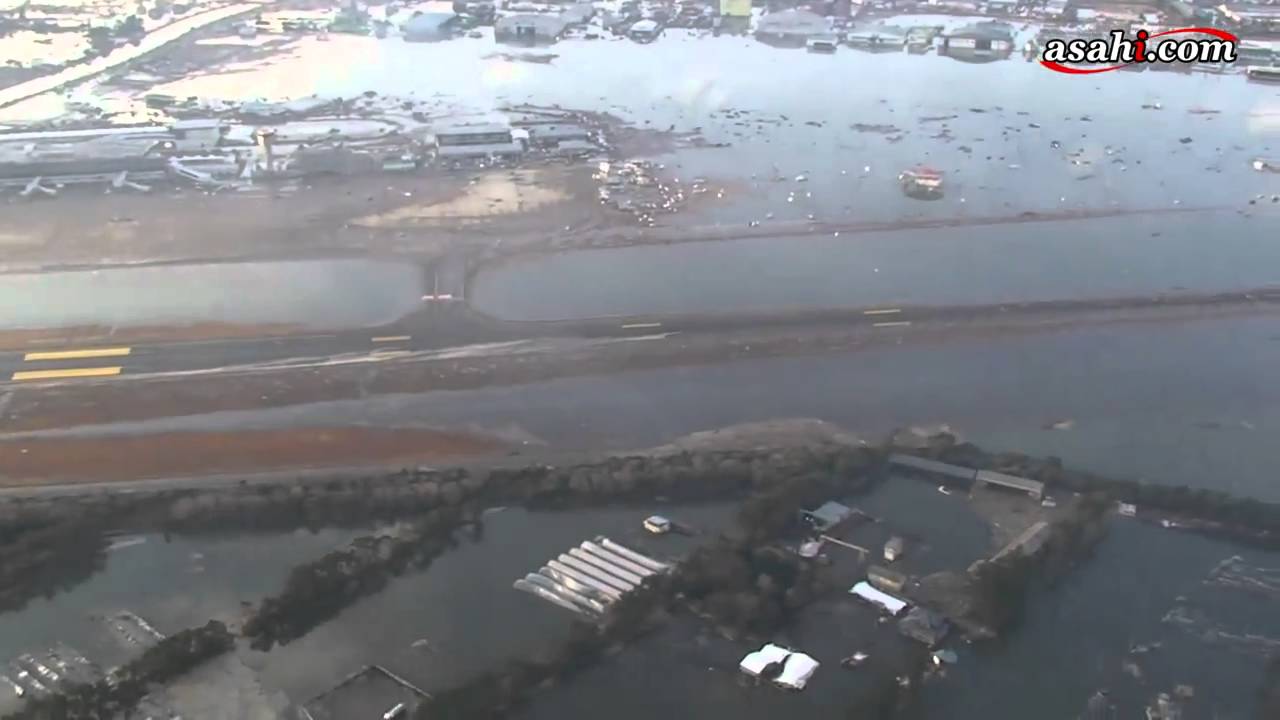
(435, 627)
(1074, 640)
(461, 616)
(316, 293)
(173, 583)
(1112, 257)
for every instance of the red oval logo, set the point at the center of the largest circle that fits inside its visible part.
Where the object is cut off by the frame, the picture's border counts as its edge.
(1062, 55)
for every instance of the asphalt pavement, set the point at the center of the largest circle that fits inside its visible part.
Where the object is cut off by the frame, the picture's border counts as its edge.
(454, 324)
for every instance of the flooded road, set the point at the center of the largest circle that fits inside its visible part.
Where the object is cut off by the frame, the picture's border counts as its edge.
(312, 293)
(1069, 260)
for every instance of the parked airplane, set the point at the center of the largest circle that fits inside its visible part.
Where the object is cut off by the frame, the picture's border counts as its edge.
(34, 187)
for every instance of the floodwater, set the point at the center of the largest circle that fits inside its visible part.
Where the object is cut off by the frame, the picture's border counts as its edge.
(1187, 403)
(314, 293)
(1010, 135)
(796, 136)
(1072, 641)
(464, 607)
(460, 617)
(173, 583)
(1113, 257)
(1192, 403)
(1078, 634)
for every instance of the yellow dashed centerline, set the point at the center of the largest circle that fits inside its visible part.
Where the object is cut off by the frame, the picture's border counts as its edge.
(391, 338)
(67, 373)
(886, 311)
(900, 323)
(637, 326)
(77, 354)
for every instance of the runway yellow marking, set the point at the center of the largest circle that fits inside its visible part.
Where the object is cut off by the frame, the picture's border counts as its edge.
(900, 323)
(391, 338)
(637, 326)
(886, 311)
(67, 373)
(77, 354)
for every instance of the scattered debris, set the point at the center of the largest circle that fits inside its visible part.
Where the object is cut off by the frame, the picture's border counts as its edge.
(921, 183)
(874, 128)
(1266, 165)
(945, 656)
(854, 660)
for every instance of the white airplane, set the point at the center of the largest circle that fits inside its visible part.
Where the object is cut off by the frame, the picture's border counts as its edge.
(121, 182)
(34, 187)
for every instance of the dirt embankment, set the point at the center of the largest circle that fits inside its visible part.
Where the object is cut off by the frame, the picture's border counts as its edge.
(71, 460)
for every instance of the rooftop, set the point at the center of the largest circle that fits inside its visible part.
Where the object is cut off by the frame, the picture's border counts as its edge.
(473, 129)
(542, 24)
(829, 514)
(984, 31)
(1034, 487)
(429, 22)
(877, 29)
(1251, 10)
(793, 22)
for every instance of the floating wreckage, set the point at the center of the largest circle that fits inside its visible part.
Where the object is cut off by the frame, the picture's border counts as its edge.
(592, 576)
(921, 183)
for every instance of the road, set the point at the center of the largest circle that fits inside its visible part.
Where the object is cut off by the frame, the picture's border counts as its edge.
(453, 324)
(153, 41)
